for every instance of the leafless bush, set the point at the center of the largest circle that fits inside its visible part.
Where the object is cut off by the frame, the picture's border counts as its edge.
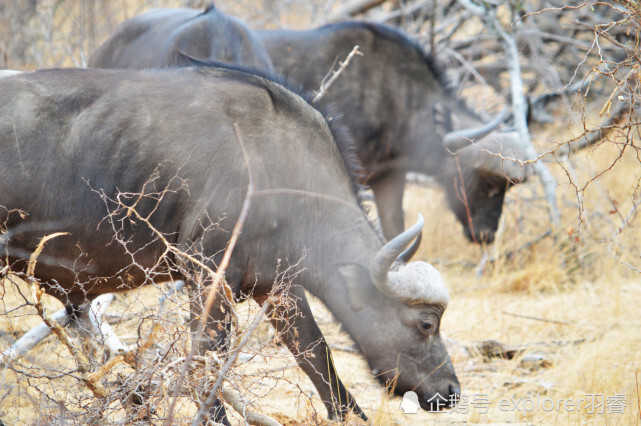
(157, 376)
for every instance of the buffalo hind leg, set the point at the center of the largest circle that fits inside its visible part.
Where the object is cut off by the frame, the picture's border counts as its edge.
(388, 193)
(296, 326)
(218, 323)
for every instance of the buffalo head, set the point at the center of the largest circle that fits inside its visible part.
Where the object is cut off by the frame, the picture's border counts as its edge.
(395, 320)
(486, 163)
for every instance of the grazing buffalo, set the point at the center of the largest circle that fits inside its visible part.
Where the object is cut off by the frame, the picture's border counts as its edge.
(404, 117)
(80, 150)
(158, 38)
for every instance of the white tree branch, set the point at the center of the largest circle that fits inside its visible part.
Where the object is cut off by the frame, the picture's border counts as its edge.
(32, 338)
(104, 333)
(519, 105)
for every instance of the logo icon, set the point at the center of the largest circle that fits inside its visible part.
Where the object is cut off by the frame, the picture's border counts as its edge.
(409, 405)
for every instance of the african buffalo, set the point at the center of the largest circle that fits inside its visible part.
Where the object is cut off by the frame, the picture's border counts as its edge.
(80, 148)
(155, 40)
(404, 117)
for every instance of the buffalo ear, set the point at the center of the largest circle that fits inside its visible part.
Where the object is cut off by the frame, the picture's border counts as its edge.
(358, 285)
(179, 58)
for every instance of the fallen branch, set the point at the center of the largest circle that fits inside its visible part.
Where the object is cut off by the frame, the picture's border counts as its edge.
(32, 338)
(101, 327)
(489, 349)
(251, 417)
(344, 348)
(99, 319)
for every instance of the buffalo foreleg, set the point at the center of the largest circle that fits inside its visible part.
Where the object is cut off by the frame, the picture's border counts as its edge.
(296, 326)
(388, 192)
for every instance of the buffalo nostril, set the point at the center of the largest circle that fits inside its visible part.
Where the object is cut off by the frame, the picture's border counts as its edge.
(454, 394)
(485, 237)
(455, 389)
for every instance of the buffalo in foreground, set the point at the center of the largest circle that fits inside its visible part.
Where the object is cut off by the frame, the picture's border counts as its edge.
(74, 142)
(404, 117)
(161, 37)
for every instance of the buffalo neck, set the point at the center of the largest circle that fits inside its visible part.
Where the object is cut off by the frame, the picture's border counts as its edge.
(354, 243)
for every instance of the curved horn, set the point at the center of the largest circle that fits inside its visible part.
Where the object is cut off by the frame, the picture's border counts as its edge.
(410, 252)
(455, 140)
(390, 252)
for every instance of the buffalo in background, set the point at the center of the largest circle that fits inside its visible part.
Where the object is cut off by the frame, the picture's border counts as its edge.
(405, 117)
(160, 37)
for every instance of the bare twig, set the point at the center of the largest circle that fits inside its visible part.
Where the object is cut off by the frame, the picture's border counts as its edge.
(593, 137)
(521, 248)
(632, 214)
(333, 75)
(536, 318)
(461, 193)
(177, 287)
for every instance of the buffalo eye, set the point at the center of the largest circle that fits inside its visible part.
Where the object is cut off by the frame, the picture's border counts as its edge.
(491, 189)
(426, 327)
